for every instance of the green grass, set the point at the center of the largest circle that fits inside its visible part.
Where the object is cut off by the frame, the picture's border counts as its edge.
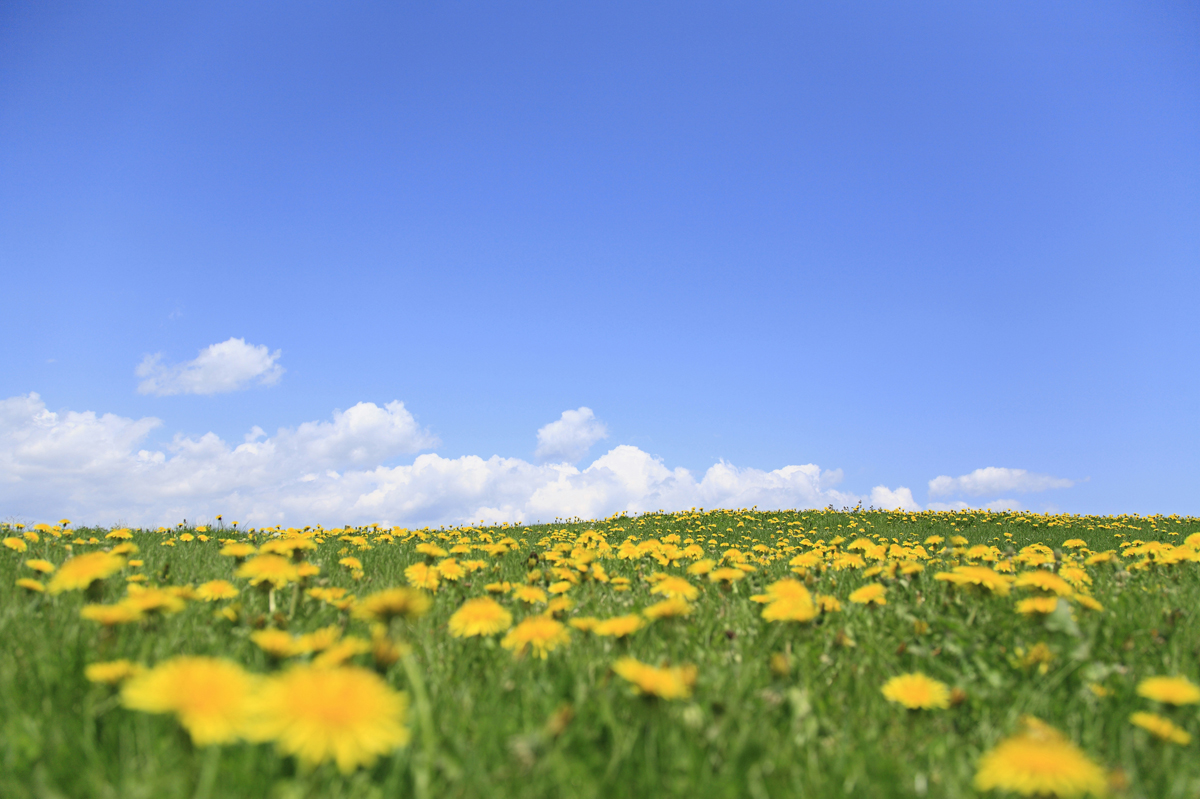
(822, 729)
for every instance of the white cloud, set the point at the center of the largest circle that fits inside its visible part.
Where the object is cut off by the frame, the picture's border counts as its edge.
(568, 439)
(91, 468)
(995, 504)
(995, 480)
(886, 499)
(228, 366)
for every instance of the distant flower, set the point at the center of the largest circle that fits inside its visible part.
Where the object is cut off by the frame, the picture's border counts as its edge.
(868, 594)
(1043, 580)
(482, 616)
(1038, 604)
(1160, 727)
(345, 714)
(584, 623)
(111, 672)
(392, 602)
(208, 696)
(351, 563)
(38, 565)
(982, 576)
(668, 608)
(725, 574)
(620, 626)
(33, 586)
(1039, 760)
(673, 587)
(238, 550)
(667, 683)
(529, 593)
(278, 644)
(542, 634)
(917, 692)
(1170, 690)
(111, 615)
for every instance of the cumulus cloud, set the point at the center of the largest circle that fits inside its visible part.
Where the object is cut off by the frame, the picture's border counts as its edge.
(568, 439)
(228, 366)
(94, 468)
(995, 480)
(887, 499)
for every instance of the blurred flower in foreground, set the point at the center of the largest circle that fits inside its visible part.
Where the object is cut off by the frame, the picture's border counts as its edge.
(542, 634)
(345, 714)
(207, 695)
(81, 571)
(482, 616)
(1039, 761)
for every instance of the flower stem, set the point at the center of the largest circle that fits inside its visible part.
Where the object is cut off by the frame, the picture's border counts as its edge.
(422, 762)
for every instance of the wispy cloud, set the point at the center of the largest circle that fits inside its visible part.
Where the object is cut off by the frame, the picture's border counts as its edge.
(228, 366)
(996, 480)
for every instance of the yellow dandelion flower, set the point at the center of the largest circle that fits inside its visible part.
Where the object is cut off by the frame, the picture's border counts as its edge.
(111, 615)
(81, 571)
(1043, 580)
(994, 581)
(392, 602)
(668, 608)
(559, 604)
(351, 563)
(529, 594)
(828, 604)
(620, 626)
(1160, 727)
(276, 643)
(917, 692)
(432, 550)
(482, 616)
(207, 695)
(868, 594)
(238, 550)
(1088, 602)
(1039, 760)
(790, 609)
(542, 634)
(342, 651)
(153, 600)
(275, 570)
(1037, 604)
(676, 587)
(498, 588)
(726, 574)
(667, 683)
(31, 585)
(39, 565)
(1169, 690)
(584, 623)
(15, 544)
(345, 714)
(322, 639)
(421, 575)
(111, 672)
(120, 535)
(216, 589)
(620, 583)
(451, 569)
(702, 566)
(786, 588)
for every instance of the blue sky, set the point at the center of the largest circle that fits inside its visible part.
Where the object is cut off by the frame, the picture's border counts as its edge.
(900, 241)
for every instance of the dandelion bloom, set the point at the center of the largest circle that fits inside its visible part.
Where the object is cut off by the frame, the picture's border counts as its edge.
(873, 593)
(81, 571)
(276, 643)
(15, 544)
(585, 623)
(982, 576)
(432, 550)
(110, 615)
(620, 626)
(276, 570)
(498, 588)
(790, 609)
(1043, 580)
(917, 692)
(668, 683)
(1169, 690)
(786, 588)
(421, 575)
(559, 604)
(351, 563)
(153, 600)
(39, 565)
(216, 589)
(342, 651)
(482, 616)
(1160, 727)
(451, 569)
(345, 714)
(1038, 604)
(542, 634)
(392, 602)
(828, 604)
(676, 587)
(701, 567)
(28, 584)
(111, 672)
(529, 593)
(725, 574)
(208, 696)
(668, 608)
(238, 550)
(1039, 760)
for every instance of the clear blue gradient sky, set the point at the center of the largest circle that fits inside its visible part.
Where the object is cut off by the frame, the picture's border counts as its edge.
(902, 240)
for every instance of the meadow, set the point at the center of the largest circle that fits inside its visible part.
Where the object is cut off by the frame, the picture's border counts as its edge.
(701, 654)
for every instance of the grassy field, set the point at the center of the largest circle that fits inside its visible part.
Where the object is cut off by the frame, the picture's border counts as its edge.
(772, 708)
